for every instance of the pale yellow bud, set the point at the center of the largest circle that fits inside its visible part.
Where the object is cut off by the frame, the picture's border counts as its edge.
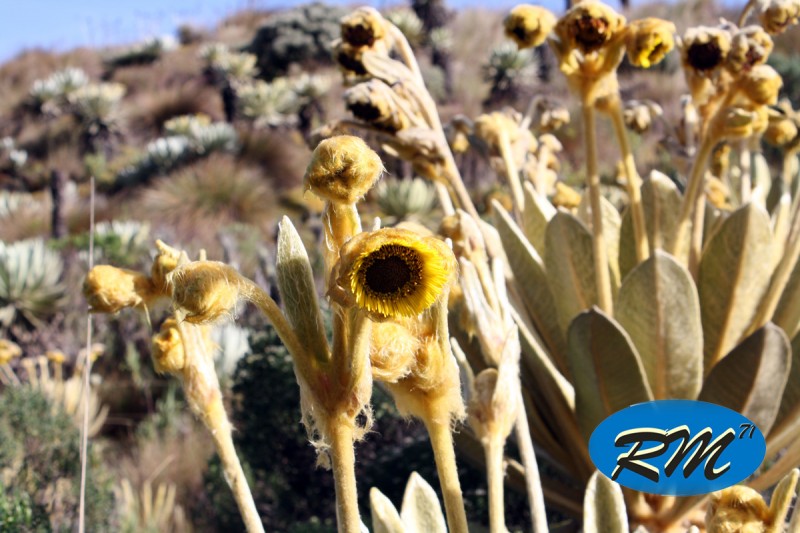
(737, 509)
(205, 291)
(649, 40)
(8, 351)
(168, 353)
(761, 84)
(529, 25)
(109, 289)
(342, 169)
(750, 46)
(777, 15)
(781, 129)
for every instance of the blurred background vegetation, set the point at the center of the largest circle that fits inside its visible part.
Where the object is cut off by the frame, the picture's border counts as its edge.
(201, 139)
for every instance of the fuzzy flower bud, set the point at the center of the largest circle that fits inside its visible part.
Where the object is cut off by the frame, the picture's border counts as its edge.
(8, 351)
(167, 349)
(649, 40)
(363, 27)
(109, 289)
(529, 25)
(781, 129)
(205, 291)
(391, 351)
(165, 262)
(705, 49)
(777, 15)
(761, 84)
(737, 508)
(750, 46)
(342, 169)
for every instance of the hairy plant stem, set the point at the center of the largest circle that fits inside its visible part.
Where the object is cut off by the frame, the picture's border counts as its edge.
(601, 271)
(634, 184)
(691, 198)
(444, 454)
(746, 12)
(746, 173)
(405, 51)
(493, 449)
(234, 475)
(532, 481)
(343, 461)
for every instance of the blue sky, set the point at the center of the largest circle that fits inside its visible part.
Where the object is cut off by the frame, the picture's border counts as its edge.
(65, 24)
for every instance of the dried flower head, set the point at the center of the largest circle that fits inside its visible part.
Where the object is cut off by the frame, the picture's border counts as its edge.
(56, 356)
(550, 115)
(395, 272)
(529, 25)
(374, 103)
(649, 40)
(704, 49)
(589, 26)
(737, 508)
(566, 196)
(761, 85)
(169, 356)
(777, 15)
(490, 128)
(363, 27)
(205, 291)
(739, 123)
(342, 169)
(349, 58)
(110, 289)
(750, 46)
(165, 262)
(8, 351)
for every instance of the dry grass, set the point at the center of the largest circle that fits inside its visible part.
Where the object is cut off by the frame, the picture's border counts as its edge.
(147, 111)
(282, 155)
(199, 200)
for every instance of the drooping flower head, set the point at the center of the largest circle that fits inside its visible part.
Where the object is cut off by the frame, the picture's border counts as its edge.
(395, 272)
(363, 27)
(528, 25)
(750, 46)
(589, 26)
(649, 40)
(705, 49)
(777, 15)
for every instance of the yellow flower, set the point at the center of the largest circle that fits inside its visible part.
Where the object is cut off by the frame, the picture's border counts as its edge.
(342, 169)
(109, 289)
(395, 272)
(649, 40)
(56, 356)
(528, 25)
(704, 48)
(363, 27)
(776, 15)
(589, 26)
(750, 46)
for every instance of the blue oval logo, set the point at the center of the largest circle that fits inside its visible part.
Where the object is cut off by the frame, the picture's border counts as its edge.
(677, 447)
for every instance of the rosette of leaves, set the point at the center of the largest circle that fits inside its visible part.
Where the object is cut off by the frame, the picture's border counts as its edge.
(144, 53)
(404, 199)
(30, 283)
(507, 71)
(268, 104)
(726, 335)
(297, 35)
(50, 95)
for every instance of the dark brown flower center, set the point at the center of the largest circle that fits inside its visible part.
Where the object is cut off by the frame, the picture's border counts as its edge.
(392, 270)
(705, 56)
(365, 111)
(591, 33)
(351, 63)
(358, 35)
